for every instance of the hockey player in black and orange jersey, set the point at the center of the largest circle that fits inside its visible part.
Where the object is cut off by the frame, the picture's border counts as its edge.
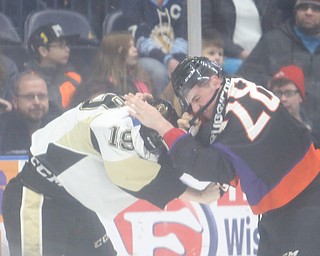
(93, 159)
(245, 133)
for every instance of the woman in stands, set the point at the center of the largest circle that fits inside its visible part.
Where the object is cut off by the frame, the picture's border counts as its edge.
(116, 69)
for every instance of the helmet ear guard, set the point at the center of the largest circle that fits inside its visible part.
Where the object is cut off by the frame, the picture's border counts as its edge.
(190, 72)
(153, 142)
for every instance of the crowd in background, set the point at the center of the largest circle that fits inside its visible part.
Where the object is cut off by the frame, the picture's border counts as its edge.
(259, 40)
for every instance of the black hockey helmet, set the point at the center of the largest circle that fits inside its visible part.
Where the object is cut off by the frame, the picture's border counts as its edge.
(190, 72)
(152, 139)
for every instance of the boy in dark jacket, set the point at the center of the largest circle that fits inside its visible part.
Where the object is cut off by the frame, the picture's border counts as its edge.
(50, 51)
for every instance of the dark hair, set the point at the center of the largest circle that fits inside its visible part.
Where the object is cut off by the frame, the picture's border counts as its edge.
(212, 37)
(21, 76)
(90, 88)
(110, 62)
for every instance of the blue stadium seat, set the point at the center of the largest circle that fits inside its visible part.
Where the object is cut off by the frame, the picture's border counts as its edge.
(116, 21)
(72, 23)
(11, 43)
(8, 33)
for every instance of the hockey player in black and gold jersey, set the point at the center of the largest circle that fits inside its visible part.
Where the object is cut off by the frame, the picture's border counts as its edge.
(92, 160)
(246, 134)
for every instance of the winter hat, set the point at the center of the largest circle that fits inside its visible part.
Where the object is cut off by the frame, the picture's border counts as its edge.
(316, 2)
(294, 74)
(47, 34)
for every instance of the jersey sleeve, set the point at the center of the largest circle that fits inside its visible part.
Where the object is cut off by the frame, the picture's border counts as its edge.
(165, 187)
(127, 163)
(204, 163)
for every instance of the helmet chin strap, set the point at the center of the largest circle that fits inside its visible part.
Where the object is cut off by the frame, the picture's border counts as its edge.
(201, 110)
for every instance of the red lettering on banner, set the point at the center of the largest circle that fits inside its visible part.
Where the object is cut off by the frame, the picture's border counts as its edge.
(233, 197)
(173, 231)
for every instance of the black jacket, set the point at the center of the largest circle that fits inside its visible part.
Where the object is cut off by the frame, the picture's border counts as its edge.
(281, 47)
(11, 72)
(221, 15)
(15, 138)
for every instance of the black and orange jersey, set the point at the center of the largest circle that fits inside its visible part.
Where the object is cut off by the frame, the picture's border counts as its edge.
(251, 137)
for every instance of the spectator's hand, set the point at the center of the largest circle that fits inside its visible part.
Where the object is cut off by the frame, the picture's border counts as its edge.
(171, 66)
(5, 106)
(244, 54)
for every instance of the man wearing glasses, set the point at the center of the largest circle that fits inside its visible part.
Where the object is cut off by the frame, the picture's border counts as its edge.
(288, 85)
(296, 42)
(30, 112)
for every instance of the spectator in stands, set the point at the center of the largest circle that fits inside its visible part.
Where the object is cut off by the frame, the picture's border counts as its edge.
(286, 8)
(161, 31)
(288, 85)
(8, 75)
(116, 69)
(295, 42)
(212, 48)
(50, 51)
(241, 24)
(30, 112)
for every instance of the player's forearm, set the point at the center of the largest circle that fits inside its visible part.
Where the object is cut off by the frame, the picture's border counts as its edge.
(206, 196)
(163, 126)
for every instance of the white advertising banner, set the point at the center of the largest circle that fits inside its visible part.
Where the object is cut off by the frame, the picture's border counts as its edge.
(224, 228)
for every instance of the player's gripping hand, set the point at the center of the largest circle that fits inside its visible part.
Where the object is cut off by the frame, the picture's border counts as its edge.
(210, 194)
(184, 123)
(146, 114)
(143, 96)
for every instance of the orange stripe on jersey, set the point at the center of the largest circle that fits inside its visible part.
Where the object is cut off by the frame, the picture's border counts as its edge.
(292, 184)
(67, 89)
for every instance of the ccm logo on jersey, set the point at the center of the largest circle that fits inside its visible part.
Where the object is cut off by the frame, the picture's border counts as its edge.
(101, 241)
(44, 172)
(295, 253)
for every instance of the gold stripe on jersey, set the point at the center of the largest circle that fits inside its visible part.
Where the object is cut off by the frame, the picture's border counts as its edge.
(30, 219)
(132, 173)
(78, 139)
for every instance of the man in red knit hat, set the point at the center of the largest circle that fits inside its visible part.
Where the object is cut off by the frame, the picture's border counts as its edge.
(288, 85)
(295, 42)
